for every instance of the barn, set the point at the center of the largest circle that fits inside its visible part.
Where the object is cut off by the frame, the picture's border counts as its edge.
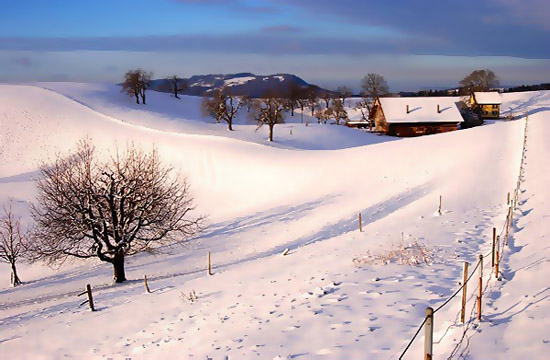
(415, 116)
(488, 103)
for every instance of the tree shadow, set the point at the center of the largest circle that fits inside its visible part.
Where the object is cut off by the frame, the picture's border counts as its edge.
(498, 318)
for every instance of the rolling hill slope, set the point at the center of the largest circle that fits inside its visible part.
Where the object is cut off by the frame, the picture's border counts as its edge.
(260, 200)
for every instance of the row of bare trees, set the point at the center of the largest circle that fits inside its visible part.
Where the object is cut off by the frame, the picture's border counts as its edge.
(271, 108)
(224, 106)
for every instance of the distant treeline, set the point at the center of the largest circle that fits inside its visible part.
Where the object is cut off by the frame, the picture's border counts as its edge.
(428, 93)
(461, 91)
(528, 88)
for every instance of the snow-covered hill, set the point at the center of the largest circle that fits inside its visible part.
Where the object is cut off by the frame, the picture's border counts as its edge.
(246, 84)
(262, 199)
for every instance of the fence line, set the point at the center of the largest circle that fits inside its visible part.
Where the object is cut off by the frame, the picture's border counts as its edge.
(501, 242)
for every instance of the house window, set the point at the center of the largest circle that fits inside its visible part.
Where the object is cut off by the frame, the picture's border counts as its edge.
(495, 106)
(485, 112)
(495, 113)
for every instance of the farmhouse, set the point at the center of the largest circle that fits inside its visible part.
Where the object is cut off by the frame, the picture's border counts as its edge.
(415, 116)
(488, 104)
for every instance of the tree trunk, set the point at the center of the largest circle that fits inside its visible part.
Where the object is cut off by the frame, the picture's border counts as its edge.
(137, 98)
(271, 132)
(230, 125)
(14, 277)
(176, 91)
(118, 267)
(143, 97)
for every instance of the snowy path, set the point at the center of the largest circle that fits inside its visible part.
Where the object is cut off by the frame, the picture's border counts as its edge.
(517, 320)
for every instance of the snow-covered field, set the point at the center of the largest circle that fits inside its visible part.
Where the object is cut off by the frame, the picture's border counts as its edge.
(302, 192)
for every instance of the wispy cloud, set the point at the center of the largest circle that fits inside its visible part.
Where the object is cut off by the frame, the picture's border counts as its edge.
(281, 29)
(285, 43)
(472, 27)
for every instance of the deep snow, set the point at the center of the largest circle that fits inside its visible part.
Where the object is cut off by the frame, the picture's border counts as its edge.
(261, 199)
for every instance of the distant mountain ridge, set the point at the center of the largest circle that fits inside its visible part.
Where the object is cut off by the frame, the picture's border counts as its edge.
(242, 84)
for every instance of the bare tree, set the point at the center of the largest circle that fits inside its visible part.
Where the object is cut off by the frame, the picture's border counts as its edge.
(344, 93)
(109, 210)
(145, 81)
(302, 104)
(131, 84)
(223, 105)
(326, 96)
(176, 84)
(323, 115)
(293, 94)
(312, 98)
(135, 83)
(270, 110)
(11, 242)
(479, 80)
(214, 106)
(365, 106)
(374, 86)
(338, 111)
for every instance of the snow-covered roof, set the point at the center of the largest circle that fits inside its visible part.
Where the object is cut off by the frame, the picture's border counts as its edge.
(488, 98)
(421, 109)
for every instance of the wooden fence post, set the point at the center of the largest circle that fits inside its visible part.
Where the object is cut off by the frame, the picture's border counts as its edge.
(90, 297)
(428, 338)
(464, 292)
(146, 285)
(493, 252)
(497, 257)
(496, 267)
(209, 264)
(360, 223)
(508, 225)
(480, 294)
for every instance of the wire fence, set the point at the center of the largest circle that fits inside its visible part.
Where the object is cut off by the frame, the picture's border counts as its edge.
(499, 242)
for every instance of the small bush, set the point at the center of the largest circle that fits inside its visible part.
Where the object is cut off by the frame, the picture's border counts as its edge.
(411, 254)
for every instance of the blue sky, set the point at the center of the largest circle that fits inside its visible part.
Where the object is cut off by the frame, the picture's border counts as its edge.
(414, 44)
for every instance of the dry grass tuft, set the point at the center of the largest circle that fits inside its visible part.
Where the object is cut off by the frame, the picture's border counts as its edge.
(412, 254)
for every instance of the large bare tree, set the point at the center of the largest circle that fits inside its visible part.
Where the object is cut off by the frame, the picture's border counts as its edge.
(270, 111)
(223, 105)
(135, 83)
(12, 242)
(112, 209)
(479, 80)
(374, 86)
